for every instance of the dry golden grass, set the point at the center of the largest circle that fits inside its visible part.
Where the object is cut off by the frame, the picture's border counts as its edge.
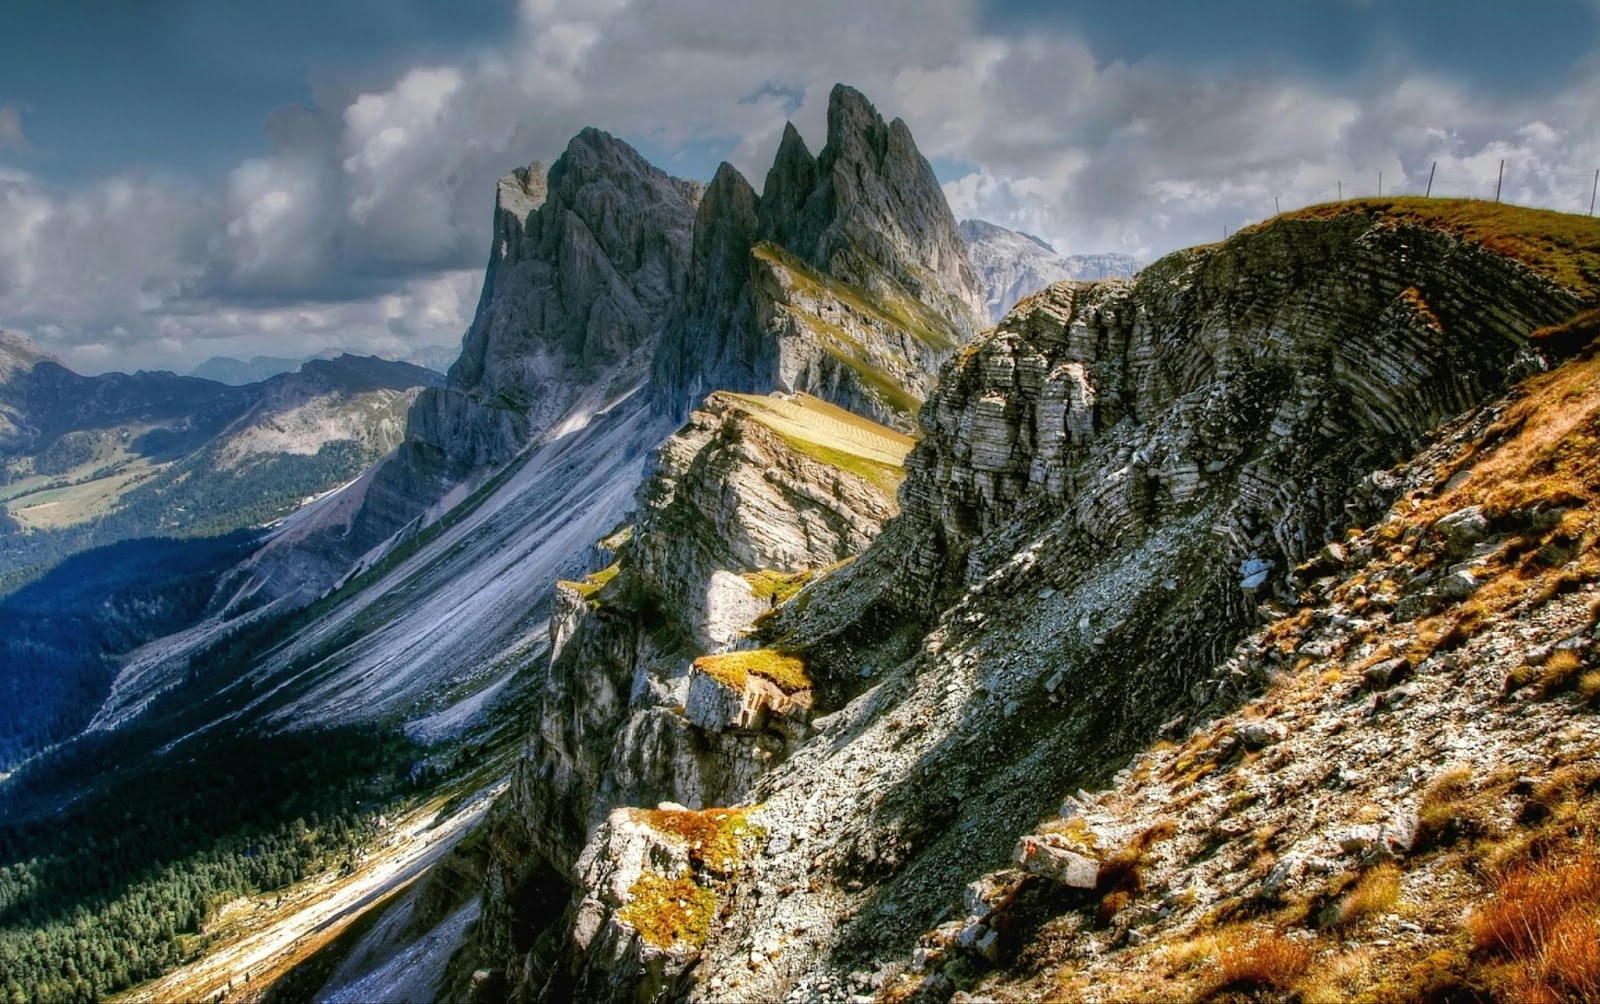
(1542, 919)
(715, 836)
(1560, 672)
(1378, 891)
(1450, 809)
(1258, 959)
(1340, 978)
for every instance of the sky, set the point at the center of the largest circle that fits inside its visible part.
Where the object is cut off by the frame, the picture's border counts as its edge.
(188, 178)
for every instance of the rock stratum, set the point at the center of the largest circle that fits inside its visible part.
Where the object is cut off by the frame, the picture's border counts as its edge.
(1112, 491)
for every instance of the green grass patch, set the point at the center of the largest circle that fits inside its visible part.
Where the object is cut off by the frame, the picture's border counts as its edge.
(767, 584)
(732, 669)
(899, 310)
(885, 476)
(591, 585)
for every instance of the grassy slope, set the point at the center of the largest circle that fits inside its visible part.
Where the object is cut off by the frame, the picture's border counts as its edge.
(1562, 246)
(832, 435)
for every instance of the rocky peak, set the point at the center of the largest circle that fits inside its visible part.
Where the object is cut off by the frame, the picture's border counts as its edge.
(853, 285)
(19, 355)
(585, 264)
(521, 191)
(790, 182)
(878, 212)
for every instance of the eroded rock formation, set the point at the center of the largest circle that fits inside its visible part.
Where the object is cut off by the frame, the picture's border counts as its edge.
(1110, 490)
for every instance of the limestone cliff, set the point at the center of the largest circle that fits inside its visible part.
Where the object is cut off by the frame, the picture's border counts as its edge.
(845, 278)
(1110, 492)
(752, 499)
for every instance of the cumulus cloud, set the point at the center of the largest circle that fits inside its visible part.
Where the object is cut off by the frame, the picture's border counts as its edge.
(365, 223)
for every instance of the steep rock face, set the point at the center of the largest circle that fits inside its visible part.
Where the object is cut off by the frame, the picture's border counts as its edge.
(1110, 490)
(584, 264)
(845, 278)
(1422, 711)
(1011, 265)
(739, 498)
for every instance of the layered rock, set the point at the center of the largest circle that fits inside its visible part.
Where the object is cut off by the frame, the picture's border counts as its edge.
(754, 497)
(1011, 265)
(846, 278)
(1110, 491)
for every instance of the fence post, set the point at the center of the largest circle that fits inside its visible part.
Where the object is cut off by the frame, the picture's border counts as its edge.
(1499, 181)
(1432, 169)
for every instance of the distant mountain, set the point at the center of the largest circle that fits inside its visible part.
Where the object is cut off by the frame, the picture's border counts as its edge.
(438, 358)
(1012, 265)
(238, 372)
(85, 461)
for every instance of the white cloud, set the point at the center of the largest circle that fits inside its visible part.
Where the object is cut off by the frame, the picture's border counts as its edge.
(365, 222)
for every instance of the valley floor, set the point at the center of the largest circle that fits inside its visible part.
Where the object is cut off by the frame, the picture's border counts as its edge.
(266, 937)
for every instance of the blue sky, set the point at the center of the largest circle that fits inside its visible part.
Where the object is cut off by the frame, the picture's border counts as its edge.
(179, 179)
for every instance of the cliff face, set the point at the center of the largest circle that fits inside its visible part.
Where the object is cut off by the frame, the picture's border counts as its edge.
(750, 499)
(584, 264)
(845, 278)
(1109, 493)
(1012, 265)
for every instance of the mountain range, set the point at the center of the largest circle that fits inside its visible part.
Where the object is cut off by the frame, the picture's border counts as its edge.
(238, 372)
(740, 619)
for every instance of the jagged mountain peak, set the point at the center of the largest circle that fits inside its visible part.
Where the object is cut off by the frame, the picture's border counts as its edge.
(853, 283)
(521, 191)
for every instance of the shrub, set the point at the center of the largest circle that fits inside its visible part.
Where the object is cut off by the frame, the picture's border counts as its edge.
(1265, 960)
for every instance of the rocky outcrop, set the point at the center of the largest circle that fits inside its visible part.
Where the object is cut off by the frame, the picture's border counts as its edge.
(1011, 265)
(846, 278)
(1110, 492)
(753, 498)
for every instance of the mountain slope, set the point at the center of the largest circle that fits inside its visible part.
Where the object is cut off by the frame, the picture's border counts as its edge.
(584, 264)
(1417, 751)
(845, 278)
(1107, 497)
(93, 460)
(1012, 265)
